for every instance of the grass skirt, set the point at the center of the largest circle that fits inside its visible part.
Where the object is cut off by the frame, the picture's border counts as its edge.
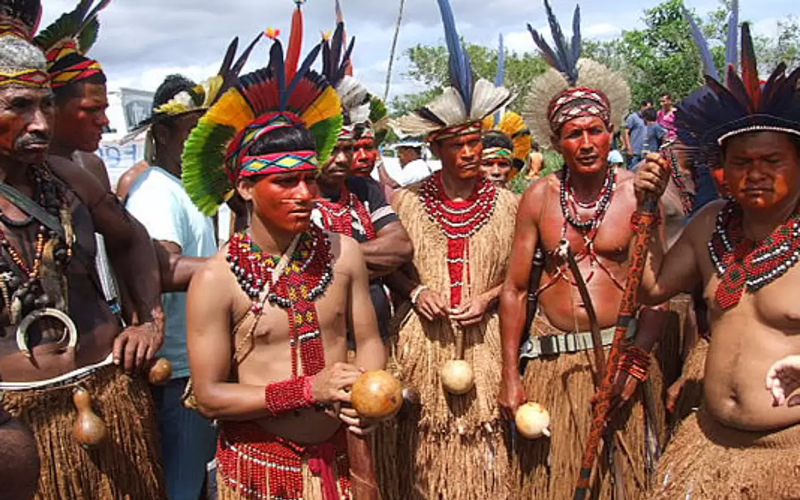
(127, 466)
(708, 461)
(548, 468)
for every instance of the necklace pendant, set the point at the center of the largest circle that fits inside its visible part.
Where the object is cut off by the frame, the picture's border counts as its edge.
(731, 287)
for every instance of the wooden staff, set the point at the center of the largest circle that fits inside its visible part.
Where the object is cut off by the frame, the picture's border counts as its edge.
(535, 277)
(627, 312)
(362, 468)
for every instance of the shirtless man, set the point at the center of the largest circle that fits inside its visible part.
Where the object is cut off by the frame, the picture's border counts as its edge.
(45, 273)
(744, 252)
(588, 206)
(281, 405)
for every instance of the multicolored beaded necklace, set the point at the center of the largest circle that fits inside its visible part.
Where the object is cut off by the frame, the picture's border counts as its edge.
(742, 262)
(458, 221)
(587, 228)
(23, 294)
(305, 278)
(337, 216)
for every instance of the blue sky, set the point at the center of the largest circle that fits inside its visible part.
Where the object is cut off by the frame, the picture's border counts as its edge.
(141, 41)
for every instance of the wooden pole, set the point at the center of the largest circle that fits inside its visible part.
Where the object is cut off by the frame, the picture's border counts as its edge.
(392, 51)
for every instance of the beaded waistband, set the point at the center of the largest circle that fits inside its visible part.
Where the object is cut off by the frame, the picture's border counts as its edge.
(60, 381)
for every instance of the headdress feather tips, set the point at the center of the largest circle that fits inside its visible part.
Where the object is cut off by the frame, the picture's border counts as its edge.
(716, 112)
(464, 102)
(217, 151)
(574, 86)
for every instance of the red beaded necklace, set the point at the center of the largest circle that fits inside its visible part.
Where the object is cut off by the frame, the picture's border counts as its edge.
(305, 279)
(337, 216)
(458, 221)
(742, 262)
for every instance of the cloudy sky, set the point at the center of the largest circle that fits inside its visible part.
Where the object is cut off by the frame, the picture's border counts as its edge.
(141, 41)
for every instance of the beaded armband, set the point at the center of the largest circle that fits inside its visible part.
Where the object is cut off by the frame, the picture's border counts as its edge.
(416, 293)
(636, 362)
(642, 220)
(289, 395)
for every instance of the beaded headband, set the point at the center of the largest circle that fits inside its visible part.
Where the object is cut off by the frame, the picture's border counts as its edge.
(82, 69)
(31, 78)
(240, 164)
(457, 131)
(577, 103)
(497, 154)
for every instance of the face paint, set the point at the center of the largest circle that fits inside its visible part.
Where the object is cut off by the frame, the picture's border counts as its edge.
(585, 143)
(364, 157)
(337, 168)
(762, 170)
(285, 201)
(497, 170)
(26, 122)
(461, 155)
(80, 121)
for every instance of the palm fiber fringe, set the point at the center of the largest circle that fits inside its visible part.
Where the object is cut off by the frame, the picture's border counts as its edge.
(708, 461)
(452, 448)
(126, 467)
(692, 379)
(564, 385)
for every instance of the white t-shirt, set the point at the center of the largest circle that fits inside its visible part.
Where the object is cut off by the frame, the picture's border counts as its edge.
(160, 203)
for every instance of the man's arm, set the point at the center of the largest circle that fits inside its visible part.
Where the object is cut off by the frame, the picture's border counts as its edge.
(370, 352)
(626, 135)
(176, 269)
(131, 253)
(390, 249)
(513, 300)
(666, 275)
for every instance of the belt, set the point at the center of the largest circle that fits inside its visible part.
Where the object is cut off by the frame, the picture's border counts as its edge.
(568, 343)
(60, 381)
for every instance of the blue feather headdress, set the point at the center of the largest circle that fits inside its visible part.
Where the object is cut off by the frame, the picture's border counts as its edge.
(463, 105)
(574, 87)
(336, 66)
(717, 112)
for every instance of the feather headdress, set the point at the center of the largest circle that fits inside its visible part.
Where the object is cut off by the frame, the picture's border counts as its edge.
(573, 86)
(463, 105)
(217, 152)
(337, 68)
(21, 63)
(514, 127)
(20, 18)
(717, 112)
(66, 42)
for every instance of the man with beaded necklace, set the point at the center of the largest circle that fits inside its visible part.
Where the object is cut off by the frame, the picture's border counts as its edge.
(355, 205)
(267, 316)
(461, 227)
(743, 442)
(584, 210)
(68, 341)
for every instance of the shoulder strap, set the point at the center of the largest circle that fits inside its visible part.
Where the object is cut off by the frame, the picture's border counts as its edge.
(32, 208)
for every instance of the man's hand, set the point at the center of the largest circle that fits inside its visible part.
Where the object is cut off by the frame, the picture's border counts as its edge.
(625, 386)
(356, 424)
(512, 396)
(431, 305)
(137, 345)
(470, 312)
(332, 384)
(674, 393)
(652, 177)
(783, 379)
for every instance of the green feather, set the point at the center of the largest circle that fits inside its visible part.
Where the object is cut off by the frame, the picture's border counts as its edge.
(66, 26)
(377, 109)
(88, 36)
(326, 133)
(204, 176)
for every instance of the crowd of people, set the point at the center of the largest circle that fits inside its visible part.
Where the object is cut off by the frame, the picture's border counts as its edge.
(543, 354)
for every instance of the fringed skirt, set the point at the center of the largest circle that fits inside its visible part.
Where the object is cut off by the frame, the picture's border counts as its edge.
(548, 468)
(253, 464)
(452, 447)
(125, 467)
(708, 461)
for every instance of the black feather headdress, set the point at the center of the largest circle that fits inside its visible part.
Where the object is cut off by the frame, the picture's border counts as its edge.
(717, 112)
(20, 18)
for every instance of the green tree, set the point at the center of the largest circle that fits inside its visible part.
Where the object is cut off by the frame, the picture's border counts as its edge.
(429, 66)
